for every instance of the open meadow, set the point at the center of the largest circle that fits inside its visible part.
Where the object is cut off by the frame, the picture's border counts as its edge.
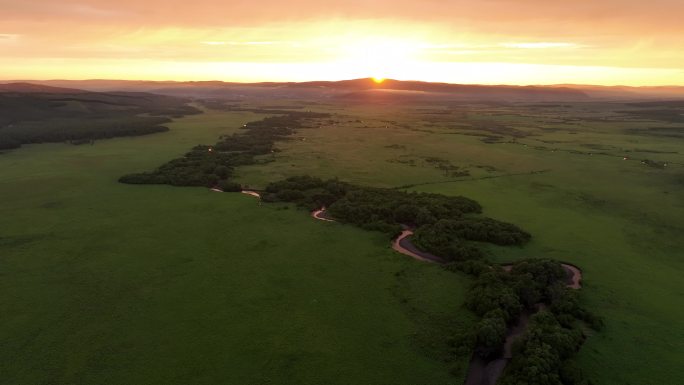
(341, 193)
(105, 282)
(595, 186)
(110, 283)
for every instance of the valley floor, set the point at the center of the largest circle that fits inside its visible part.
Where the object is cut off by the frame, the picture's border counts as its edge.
(110, 283)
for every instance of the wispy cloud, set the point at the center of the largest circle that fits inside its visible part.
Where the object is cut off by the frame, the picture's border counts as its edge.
(68, 9)
(540, 45)
(90, 11)
(253, 42)
(242, 42)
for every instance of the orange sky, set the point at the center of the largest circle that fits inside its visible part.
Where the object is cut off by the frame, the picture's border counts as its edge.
(486, 41)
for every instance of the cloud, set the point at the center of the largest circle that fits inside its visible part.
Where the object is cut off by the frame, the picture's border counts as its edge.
(253, 42)
(8, 38)
(90, 11)
(59, 10)
(242, 42)
(629, 33)
(540, 45)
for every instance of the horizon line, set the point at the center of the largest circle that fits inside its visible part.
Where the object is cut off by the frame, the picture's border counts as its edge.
(370, 78)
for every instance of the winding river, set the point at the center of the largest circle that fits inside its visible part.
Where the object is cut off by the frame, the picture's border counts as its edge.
(480, 371)
(403, 245)
(252, 193)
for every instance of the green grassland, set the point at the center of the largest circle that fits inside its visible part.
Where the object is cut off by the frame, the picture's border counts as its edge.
(560, 173)
(111, 283)
(106, 283)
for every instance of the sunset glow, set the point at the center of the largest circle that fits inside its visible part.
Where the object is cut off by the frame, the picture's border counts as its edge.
(487, 42)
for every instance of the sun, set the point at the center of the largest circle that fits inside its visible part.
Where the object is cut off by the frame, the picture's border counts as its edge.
(379, 57)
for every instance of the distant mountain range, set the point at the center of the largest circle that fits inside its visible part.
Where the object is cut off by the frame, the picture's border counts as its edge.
(29, 88)
(361, 90)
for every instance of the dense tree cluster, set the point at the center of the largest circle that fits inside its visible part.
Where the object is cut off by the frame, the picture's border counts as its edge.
(371, 208)
(14, 136)
(445, 226)
(212, 166)
(447, 237)
(543, 355)
(450, 228)
(83, 117)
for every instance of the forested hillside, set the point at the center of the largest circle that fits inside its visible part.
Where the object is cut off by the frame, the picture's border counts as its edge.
(39, 114)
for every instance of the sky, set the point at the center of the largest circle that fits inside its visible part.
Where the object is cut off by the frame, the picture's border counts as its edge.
(607, 42)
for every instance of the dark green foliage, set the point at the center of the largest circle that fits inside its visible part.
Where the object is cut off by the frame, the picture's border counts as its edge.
(398, 207)
(489, 230)
(473, 267)
(207, 165)
(228, 186)
(494, 291)
(491, 333)
(375, 209)
(83, 117)
(442, 227)
(8, 142)
(535, 279)
(446, 237)
(542, 356)
(566, 307)
(538, 365)
(554, 335)
(437, 239)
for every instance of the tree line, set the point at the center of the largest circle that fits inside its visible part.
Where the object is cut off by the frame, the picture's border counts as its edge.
(212, 166)
(445, 226)
(84, 117)
(453, 229)
(450, 227)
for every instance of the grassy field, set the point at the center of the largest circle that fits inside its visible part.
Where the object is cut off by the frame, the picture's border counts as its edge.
(558, 171)
(108, 283)
(105, 283)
